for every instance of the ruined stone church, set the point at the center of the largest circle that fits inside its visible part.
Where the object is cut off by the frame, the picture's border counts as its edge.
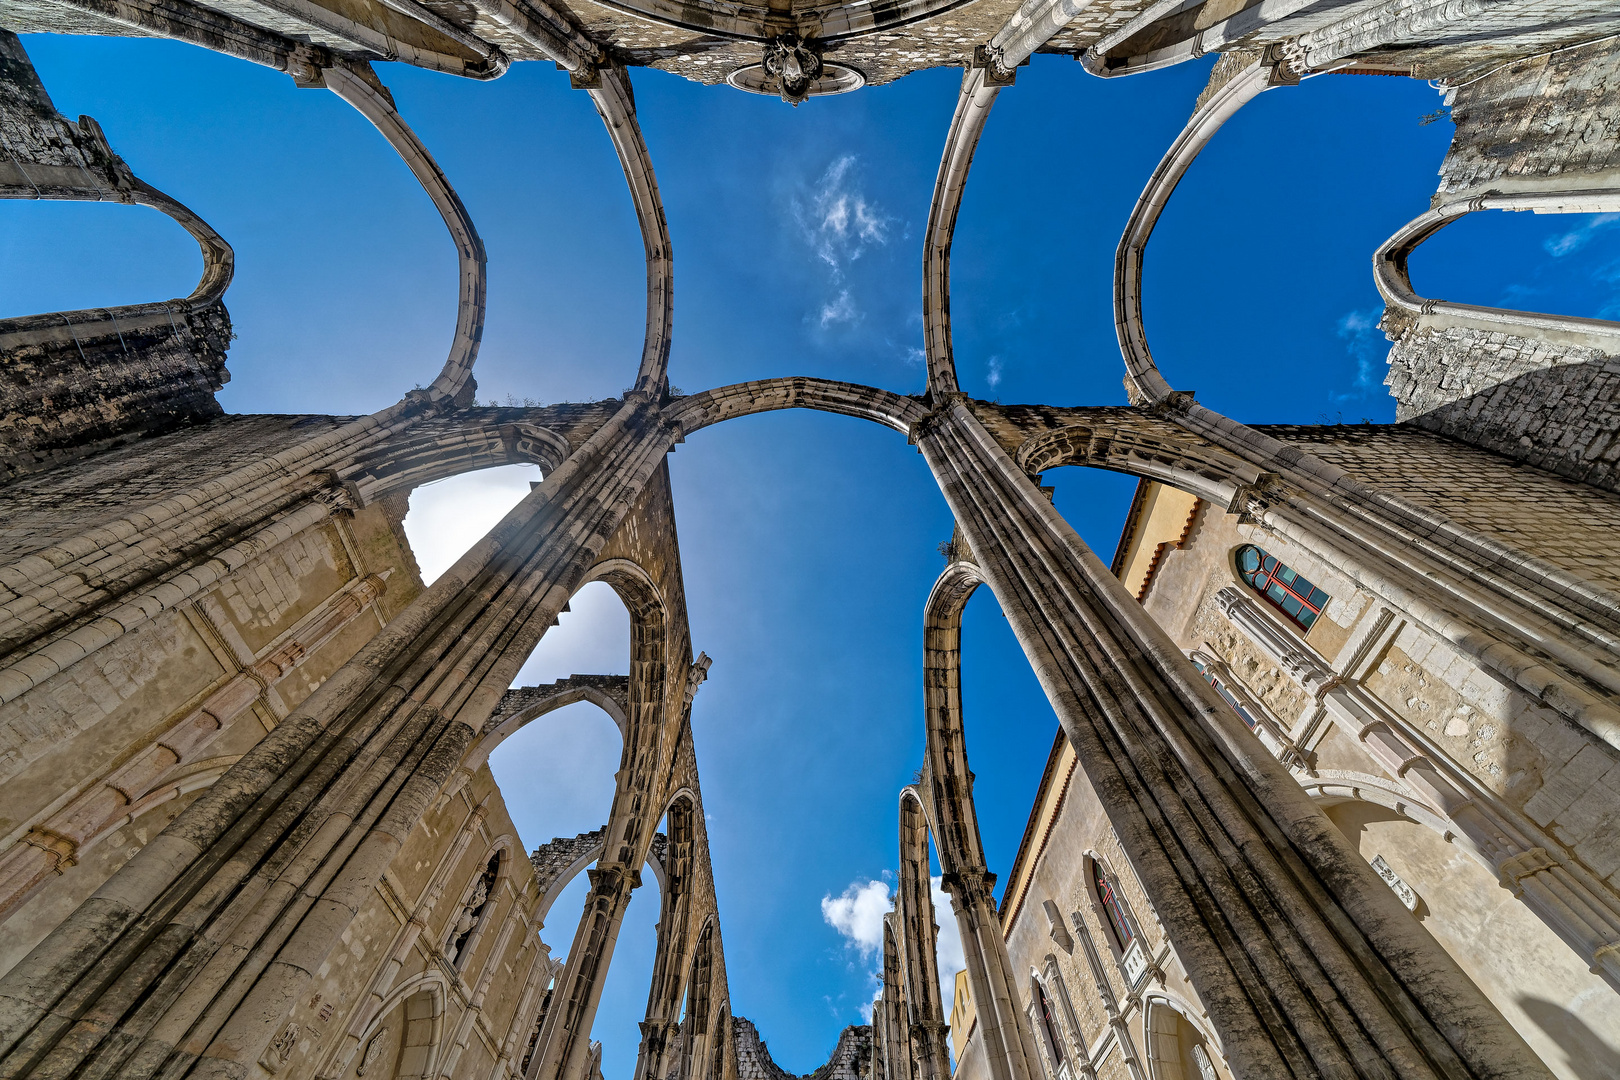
(1336, 790)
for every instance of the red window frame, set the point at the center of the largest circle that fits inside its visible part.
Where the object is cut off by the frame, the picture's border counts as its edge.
(1281, 586)
(1112, 905)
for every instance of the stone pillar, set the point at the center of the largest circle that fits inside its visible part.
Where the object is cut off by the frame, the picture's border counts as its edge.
(919, 935)
(565, 1039)
(194, 953)
(1307, 963)
(889, 1014)
(1008, 1043)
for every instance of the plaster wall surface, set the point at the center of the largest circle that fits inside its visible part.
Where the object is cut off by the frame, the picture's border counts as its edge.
(1516, 750)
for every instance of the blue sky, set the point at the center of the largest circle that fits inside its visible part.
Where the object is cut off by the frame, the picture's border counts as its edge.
(808, 540)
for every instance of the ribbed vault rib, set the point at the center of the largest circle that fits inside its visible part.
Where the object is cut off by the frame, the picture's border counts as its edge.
(972, 110)
(377, 105)
(1395, 285)
(615, 101)
(1142, 374)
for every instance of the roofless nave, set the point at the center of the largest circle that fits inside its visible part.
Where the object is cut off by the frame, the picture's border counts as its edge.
(248, 825)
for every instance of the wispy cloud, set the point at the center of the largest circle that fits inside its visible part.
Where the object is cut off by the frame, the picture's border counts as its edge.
(993, 372)
(840, 309)
(837, 218)
(1578, 237)
(1367, 345)
(840, 224)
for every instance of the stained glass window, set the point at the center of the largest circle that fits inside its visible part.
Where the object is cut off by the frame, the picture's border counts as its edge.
(1281, 586)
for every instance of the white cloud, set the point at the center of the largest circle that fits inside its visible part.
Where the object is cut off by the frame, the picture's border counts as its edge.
(948, 948)
(450, 516)
(858, 915)
(1578, 237)
(840, 224)
(1365, 342)
(994, 375)
(840, 309)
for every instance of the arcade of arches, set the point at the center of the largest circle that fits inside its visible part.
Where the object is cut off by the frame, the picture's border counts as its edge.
(1336, 790)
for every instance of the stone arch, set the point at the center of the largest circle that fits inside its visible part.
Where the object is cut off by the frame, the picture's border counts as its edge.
(670, 982)
(587, 849)
(1170, 1035)
(1391, 275)
(522, 707)
(718, 1042)
(417, 1007)
(1008, 1043)
(1160, 451)
(889, 1014)
(468, 441)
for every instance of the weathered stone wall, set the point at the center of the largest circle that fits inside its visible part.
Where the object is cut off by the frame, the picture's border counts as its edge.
(851, 1059)
(1518, 752)
(47, 156)
(1570, 525)
(39, 510)
(60, 400)
(73, 382)
(1549, 120)
(1553, 406)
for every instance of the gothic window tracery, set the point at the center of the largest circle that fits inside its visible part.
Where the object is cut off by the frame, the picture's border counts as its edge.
(1281, 586)
(1051, 1031)
(1221, 688)
(471, 916)
(1113, 907)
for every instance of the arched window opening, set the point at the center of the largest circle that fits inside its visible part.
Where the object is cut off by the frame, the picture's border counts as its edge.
(1281, 586)
(73, 256)
(447, 517)
(1226, 694)
(1113, 907)
(1051, 1028)
(474, 911)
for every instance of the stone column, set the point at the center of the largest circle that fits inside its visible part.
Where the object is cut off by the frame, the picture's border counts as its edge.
(919, 936)
(889, 1014)
(195, 952)
(1008, 1043)
(565, 1039)
(1308, 964)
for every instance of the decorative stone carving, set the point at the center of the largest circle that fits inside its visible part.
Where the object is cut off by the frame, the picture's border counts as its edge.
(374, 1047)
(280, 1050)
(794, 64)
(1399, 887)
